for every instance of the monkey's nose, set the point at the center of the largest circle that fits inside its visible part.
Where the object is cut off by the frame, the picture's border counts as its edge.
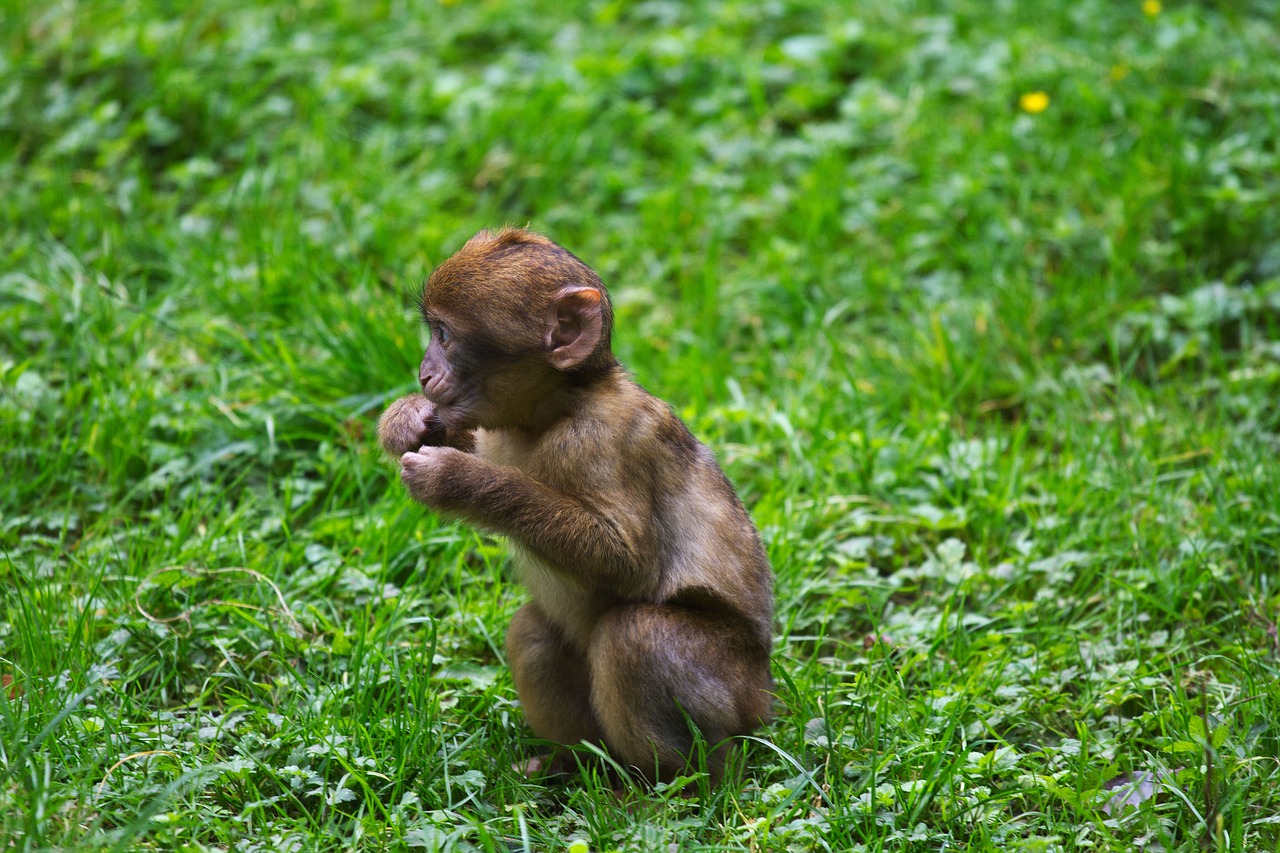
(423, 378)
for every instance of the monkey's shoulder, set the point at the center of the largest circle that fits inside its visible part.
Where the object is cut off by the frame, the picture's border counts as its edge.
(617, 420)
(622, 448)
(640, 422)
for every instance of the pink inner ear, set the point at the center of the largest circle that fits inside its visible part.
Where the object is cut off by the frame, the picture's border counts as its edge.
(574, 327)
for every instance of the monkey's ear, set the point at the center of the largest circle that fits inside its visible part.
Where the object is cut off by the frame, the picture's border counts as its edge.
(574, 321)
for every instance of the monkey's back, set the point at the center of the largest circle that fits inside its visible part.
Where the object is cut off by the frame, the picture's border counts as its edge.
(627, 457)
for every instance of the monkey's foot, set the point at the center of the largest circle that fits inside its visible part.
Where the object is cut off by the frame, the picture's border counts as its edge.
(548, 765)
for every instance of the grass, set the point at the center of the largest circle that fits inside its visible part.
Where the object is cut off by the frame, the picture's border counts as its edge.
(998, 386)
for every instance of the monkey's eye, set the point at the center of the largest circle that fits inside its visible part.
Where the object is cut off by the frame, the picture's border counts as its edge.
(444, 334)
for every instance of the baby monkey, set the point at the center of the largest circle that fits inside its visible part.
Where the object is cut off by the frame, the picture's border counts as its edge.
(651, 595)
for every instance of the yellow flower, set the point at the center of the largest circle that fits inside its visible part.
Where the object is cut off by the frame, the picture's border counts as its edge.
(1034, 102)
(1151, 8)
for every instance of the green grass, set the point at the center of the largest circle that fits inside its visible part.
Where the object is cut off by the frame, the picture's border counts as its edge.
(999, 388)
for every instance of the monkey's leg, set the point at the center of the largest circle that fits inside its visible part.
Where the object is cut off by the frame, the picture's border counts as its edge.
(655, 668)
(552, 679)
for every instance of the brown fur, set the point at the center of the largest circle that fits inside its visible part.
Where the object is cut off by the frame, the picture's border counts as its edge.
(651, 593)
(409, 423)
(513, 273)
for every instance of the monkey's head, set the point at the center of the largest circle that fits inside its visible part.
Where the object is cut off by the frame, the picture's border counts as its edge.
(513, 318)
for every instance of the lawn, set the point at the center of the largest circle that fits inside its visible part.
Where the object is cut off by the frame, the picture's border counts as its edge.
(977, 302)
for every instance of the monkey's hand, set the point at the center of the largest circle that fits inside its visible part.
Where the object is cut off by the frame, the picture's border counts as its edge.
(436, 476)
(410, 423)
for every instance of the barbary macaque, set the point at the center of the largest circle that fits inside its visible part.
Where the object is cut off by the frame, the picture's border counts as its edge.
(651, 595)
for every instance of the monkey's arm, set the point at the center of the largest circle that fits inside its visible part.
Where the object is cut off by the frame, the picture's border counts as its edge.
(411, 422)
(558, 527)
